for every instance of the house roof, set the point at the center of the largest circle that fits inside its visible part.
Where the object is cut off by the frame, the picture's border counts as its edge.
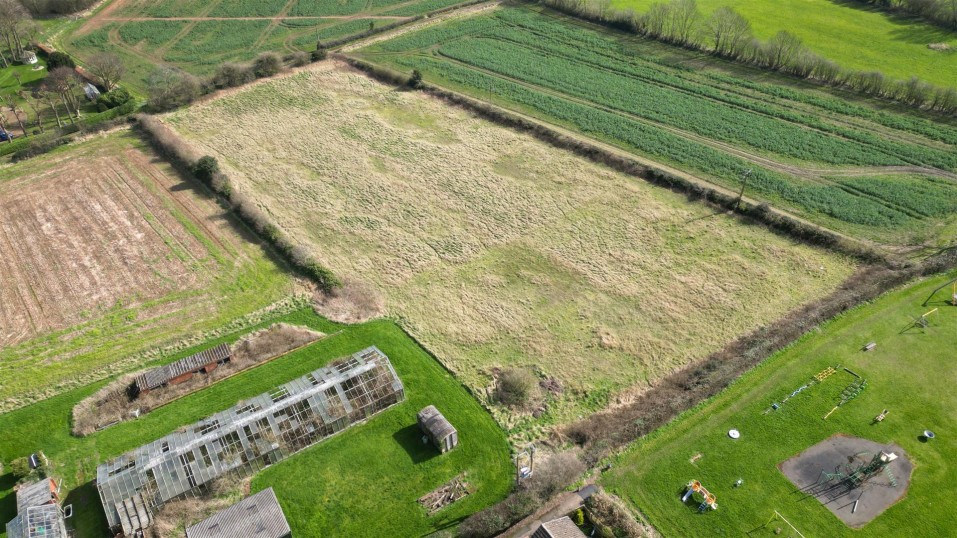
(257, 516)
(562, 527)
(435, 423)
(157, 376)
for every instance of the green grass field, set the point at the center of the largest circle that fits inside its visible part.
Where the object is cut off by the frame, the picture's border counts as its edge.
(199, 36)
(910, 373)
(849, 33)
(363, 482)
(644, 97)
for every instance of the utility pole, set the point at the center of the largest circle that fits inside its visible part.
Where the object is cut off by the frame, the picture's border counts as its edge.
(744, 183)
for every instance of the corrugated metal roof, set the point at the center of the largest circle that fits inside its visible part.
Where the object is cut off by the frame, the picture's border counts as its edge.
(257, 516)
(36, 494)
(562, 527)
(157, 376)
(212, 447)
(432, 420)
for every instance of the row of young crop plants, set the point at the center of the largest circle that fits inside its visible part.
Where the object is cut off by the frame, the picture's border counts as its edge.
(586, 65)
(819, 198)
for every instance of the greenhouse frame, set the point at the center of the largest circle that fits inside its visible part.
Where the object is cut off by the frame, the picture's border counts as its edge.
(244, 439)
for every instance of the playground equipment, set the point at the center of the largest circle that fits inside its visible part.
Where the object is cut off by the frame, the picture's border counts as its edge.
(849, 393)
(953, 295)
(708, 500)
(881, 417)
(815, 379)
(923, 322)
(856, 476)
(524, 464)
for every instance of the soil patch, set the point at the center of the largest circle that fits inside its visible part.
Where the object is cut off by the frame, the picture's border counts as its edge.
(841, 472)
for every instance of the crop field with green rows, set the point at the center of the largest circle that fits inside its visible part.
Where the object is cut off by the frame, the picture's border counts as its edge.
(198, 36)
(806, 149)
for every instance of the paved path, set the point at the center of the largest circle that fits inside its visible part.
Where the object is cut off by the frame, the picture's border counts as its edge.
(559, 506)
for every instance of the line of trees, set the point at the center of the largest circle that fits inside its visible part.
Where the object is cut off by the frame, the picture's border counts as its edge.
(940, 12)
(18, 31)
(729, 35)
(56, 7)
(169, 87)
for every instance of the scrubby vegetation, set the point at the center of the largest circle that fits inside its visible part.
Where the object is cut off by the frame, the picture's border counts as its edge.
(520, 278)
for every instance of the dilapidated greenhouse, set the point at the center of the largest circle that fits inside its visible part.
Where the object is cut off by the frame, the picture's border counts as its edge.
(247, 437)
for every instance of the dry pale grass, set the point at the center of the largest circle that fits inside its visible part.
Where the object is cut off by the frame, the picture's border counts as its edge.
(495, 249)
(111, 405)
(172, 520)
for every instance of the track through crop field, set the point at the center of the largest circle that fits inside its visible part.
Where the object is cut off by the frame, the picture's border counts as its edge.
(638, 95)
(104, 250)
(199, 36)
(497, 250)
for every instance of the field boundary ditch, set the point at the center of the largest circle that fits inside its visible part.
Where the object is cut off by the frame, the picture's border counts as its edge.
(776, 220)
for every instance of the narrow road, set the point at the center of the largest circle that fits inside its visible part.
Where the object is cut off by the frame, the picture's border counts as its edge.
(559, 506)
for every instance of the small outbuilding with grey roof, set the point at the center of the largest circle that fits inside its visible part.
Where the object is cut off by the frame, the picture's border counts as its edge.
(256, 516)
(562, 527)
(38, 512)
(439, 430)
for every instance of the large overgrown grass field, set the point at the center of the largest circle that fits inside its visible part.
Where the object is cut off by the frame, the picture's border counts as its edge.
(363, 482)
(108, 254)
(850, 33)
(199, 36)
(910, 373)
(662, 103)
(497, 250)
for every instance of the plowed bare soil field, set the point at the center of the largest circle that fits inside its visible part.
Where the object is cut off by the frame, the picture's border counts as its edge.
(497, 250)
(104, 241)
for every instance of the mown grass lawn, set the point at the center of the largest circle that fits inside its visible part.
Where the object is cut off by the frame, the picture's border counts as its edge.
(911, 373)
(851, 34)
(374, 472)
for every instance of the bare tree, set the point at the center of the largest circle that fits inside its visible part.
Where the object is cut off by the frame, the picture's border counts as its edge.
(107, 68)
(33, 100)
(655, 21)
(781, 49)
(12, 17)
(63, 81)
(48, 97)
(3, 126)
(11, 103)
(730, 32)
(685, 20)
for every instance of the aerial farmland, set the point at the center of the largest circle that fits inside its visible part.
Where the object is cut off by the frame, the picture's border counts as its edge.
(470, 269)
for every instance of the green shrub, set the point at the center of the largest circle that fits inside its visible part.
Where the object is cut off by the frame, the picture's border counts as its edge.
(59, 59)
(230, 75)
(112, 99)
(206, 169)
(416, 79)
(579, 517)
(267, 64)
(20, 468)
(516, 387)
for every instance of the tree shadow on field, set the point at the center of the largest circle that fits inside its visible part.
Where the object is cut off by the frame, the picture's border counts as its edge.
(8, 504)
(410, 438)
(909, 28)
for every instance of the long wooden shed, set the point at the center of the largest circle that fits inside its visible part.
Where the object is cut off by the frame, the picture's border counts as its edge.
(182, 370)
(439, 430)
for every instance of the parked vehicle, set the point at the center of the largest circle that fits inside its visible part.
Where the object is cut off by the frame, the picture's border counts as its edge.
(5, 136)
